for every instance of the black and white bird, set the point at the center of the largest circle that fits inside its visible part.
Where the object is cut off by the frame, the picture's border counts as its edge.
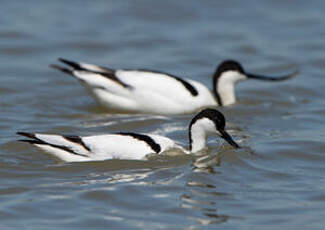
(147, 91)
(126, 145)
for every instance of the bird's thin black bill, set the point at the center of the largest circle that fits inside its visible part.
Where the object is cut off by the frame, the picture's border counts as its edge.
(266, 78)
(228, 138)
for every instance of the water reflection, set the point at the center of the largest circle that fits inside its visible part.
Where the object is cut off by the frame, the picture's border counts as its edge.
(202, 195)
(206, 161)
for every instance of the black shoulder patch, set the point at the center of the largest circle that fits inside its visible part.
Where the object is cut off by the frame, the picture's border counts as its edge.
(153, 145)
(186, 84)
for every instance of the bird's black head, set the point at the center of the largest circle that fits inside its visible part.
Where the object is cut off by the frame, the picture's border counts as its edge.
(228, 73)
(212, 114)
(228, 65)
(224, 67)
(211, 121)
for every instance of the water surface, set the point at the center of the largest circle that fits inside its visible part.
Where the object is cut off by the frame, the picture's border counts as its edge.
(276, 181)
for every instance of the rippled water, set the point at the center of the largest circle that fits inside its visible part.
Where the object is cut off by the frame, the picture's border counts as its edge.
(276, 181)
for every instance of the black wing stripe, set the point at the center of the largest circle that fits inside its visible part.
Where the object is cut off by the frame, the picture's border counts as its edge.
(25, 134)
(67, 149)
(112, 77)
(153, 145)
(108, 73)
(77, 140)
(38, 141)
(64, 70)
(186, 84)
(77, 66)
(74, 65)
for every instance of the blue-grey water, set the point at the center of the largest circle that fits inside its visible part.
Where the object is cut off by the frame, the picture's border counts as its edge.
(276, 181)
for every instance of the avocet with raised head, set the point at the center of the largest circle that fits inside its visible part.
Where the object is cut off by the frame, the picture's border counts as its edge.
(126, 145)
(147, 91)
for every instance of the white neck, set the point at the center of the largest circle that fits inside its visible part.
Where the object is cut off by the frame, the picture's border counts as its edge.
(226, 86)
(198, 139)
(198, 134)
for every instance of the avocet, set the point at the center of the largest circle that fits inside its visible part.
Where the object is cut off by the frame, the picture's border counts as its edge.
(147, 91)
(127, 145)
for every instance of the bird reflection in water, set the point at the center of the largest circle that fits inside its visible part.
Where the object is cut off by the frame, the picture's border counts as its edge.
(200, 194)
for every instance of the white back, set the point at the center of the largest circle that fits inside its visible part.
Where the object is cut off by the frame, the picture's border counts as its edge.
(117, 147)
(125, 147)
(160, 93)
